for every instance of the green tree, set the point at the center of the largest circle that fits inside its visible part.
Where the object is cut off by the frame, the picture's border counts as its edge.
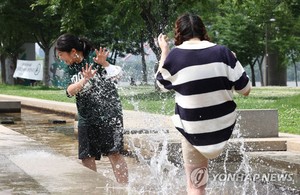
(125, 25)
(14, 18)
(143, 20)
(45, 29)
(245, 27)
(101, 22)
(236, 27)
(281, 36)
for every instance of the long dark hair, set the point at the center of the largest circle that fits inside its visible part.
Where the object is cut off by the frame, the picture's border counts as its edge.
(67, 42)
(189, 26)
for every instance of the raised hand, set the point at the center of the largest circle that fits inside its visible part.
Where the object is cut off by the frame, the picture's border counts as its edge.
(88, 72)
(101, 56)
(163, 42)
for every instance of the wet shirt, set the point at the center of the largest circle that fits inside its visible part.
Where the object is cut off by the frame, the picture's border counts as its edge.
(204, 76)
(98, 101)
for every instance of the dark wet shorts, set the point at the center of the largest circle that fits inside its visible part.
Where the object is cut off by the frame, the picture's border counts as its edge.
(103, 139)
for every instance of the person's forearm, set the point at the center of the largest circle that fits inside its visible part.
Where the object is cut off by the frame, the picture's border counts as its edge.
(163, 57)
(73, 89)
(105, 64)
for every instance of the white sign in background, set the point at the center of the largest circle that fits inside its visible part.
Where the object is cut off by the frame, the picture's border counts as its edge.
(27, 69)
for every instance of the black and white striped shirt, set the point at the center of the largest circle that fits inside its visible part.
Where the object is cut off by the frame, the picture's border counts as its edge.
(204, 76)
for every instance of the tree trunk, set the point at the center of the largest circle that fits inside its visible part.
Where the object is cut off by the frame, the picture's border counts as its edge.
(261, 71)
(154, 27)
(252, 74)
(295, 69)
(277, 71)
(155, 70)
(113, 57)
(46, 75)
(13, 66)
(9, 70)
(144, 65)
(3, 69)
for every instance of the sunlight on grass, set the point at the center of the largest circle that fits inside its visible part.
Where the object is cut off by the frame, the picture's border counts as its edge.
(285, 99)
(275, 92)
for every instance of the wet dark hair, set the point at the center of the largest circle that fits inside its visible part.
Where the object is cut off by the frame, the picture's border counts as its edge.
(189, 26)
(67, 42)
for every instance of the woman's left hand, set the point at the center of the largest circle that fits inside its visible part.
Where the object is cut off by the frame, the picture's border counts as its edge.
(101, 56)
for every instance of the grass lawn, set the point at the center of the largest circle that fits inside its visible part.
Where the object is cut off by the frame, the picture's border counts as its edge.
(145, 98)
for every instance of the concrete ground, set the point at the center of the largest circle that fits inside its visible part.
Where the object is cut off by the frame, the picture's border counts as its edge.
(23, 159)
(281, 152)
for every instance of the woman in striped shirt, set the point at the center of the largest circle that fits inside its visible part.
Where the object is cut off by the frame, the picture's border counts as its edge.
(203, 76)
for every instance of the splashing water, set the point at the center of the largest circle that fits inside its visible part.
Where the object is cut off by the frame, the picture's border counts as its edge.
(153, 172)
(156, 174)
(237, 174)
(234, 171)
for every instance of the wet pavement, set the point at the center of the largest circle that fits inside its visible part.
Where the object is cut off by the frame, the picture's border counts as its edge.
(41, 146)
(37, 169)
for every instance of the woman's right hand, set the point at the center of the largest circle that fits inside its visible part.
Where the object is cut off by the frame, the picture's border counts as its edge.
(88, 72)
(164, 46)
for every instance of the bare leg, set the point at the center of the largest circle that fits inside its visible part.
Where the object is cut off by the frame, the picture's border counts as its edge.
(119, 167)
(90, 163)
(196, 169)
(197, 176)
